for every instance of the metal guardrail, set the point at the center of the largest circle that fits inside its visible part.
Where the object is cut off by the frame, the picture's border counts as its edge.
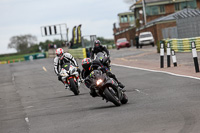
(12, 61)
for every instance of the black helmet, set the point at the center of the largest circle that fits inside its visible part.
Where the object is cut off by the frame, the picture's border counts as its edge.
(86, 63)
(97, 43)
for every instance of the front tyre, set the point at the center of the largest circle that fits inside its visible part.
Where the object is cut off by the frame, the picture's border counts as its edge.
(73, 86)
(111, 96)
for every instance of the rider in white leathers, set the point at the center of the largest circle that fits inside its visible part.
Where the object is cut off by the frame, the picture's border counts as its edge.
(61, 59)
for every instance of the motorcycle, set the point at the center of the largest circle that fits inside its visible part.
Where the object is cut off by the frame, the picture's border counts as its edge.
(107, 88)
(105, 60)
(71, 77)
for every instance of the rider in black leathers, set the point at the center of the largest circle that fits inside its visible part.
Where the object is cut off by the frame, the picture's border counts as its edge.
(98, 48)
(89, 66)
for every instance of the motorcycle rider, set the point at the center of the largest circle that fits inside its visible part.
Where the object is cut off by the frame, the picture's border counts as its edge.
(60, 59)
(89, 66)
(99, 48)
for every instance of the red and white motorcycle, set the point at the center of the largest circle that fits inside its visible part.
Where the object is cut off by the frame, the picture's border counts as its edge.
(70, 76)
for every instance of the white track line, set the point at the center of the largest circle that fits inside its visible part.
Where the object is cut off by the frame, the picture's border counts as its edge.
(27, 120)
(140, 92)
(178, 75)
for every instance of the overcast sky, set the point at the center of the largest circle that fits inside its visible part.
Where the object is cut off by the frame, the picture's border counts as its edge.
(20, 17)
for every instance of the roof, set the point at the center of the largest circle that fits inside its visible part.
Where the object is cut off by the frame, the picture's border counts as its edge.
(125, 13)
(177, 15)
(154, 1)
(187, 13)
(138, 4)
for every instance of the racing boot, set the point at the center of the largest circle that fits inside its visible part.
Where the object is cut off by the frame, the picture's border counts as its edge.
(81, 80)
(93, 93)
(121, 85)
(67, 86)
(114, 77)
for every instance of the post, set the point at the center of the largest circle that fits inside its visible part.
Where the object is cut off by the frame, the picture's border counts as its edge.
(61, 33)
(161, 55)
(82, 41)
(131, 43)
(195, 58)
(144, 11)
(67, 34)
(174, 58)
(168, 54)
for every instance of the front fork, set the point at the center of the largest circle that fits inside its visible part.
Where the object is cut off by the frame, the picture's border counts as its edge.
(76, 80)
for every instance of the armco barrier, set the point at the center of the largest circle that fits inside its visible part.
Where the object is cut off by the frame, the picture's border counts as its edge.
(79, 53)
(183, 45)
(12, 61)
(35, 56)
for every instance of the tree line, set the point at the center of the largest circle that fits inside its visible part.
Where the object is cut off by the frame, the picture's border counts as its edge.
(28, 43)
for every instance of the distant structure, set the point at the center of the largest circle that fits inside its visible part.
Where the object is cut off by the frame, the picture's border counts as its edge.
(126, 20)
(161, 19)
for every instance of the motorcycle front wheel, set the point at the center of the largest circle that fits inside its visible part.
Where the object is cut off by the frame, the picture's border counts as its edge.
(111, 96)
(73, 87)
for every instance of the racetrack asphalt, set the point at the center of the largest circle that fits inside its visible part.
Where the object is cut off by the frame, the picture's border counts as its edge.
(32, 100)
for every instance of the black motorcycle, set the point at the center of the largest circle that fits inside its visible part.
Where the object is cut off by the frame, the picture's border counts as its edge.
(105, 60)
(107, 88)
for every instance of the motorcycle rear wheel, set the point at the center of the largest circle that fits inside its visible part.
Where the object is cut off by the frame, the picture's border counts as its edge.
(111, 97)
(73, 86)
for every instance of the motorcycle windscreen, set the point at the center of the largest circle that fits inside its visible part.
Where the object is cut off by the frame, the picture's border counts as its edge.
(100, 56)
(66, 66)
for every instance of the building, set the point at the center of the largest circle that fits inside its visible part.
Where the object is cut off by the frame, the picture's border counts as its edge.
(159, 17)
(184, 23)
(126, 20)
(159, 8)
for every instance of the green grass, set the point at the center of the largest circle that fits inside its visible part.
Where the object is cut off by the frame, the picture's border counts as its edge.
(14, 57)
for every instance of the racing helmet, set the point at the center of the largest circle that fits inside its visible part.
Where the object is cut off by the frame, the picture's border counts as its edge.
(97, 43)
(86, 63)
(59, 52)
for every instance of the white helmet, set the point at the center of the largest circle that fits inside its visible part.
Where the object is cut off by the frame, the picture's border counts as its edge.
(59, 52)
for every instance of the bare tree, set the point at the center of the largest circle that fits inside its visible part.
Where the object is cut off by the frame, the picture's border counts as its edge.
(21, 43)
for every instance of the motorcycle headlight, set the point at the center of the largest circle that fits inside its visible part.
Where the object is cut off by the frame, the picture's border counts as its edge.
(64, 74)
(99, 81)
(72, 70)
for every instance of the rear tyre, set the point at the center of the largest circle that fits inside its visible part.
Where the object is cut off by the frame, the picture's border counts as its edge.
(73, 86)
(112, 97)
